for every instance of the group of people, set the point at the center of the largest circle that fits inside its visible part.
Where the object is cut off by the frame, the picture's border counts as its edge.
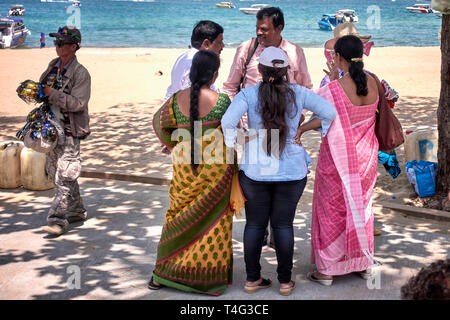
(261, 111)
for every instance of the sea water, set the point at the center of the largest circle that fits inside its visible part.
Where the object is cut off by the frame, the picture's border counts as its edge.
(169, 23)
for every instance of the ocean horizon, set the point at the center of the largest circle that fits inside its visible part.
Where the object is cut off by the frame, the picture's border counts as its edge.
(169, 23)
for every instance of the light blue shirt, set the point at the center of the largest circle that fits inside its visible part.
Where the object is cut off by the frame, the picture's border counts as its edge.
(294, 160)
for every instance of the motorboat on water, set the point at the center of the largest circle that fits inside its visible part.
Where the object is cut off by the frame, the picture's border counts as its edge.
(12, 33)
(76, 4)
(253, 10)
(348, 15)
(225, 4)
(330, 21)
(16, 10)
(421, 8)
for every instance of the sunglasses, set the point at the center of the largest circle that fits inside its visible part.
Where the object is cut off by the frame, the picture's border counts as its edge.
(60, 43)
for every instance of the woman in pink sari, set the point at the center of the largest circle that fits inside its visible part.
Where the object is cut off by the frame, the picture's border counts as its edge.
(342, 217)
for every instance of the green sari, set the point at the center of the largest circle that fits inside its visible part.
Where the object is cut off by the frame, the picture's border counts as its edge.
(195, 250)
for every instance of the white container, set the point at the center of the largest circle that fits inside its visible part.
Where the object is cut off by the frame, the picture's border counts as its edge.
(32, 167)
(10, 164)
(421, 143)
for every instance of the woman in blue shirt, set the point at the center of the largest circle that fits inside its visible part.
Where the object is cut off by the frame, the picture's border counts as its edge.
(273, 167)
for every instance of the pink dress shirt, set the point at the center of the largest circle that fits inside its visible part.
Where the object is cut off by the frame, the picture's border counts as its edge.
(297, 73)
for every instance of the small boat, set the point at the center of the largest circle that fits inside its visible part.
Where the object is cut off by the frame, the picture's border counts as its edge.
(12, 33)
(225, 4)
(348, 15)
(253, 10)
(330, 21)
(420, 8)
(16, 10)
(76, 4)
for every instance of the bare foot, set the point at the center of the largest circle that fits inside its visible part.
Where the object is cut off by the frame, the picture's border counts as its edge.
(286, 285)
(254, 283)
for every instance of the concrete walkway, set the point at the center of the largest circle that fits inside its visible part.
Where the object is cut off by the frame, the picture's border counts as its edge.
(114, 251)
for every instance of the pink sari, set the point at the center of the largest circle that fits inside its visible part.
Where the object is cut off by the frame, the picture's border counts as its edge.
(342, 217)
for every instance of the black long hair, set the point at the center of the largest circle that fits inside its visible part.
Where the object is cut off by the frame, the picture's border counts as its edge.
(204, 64)
(275, 96)
(272, 12)
(351, 47)
(205, 29)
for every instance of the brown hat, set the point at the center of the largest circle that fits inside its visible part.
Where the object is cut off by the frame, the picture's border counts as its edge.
(346, 29)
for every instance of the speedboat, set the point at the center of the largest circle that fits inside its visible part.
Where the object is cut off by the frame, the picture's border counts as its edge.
(16, 10)
(225, 4)
(76, 4)
(12, 33)
(348, 15)
(330, 21)
(420, 8)
(253, 10)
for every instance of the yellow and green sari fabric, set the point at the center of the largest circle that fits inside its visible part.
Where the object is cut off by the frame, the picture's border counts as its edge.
(195, 250)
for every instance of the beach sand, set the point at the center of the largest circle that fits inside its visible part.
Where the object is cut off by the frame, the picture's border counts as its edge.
(129, 75)
(127, 89)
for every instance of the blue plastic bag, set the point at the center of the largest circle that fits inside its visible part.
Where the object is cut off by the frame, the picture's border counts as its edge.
(390, 162)
(422, 175)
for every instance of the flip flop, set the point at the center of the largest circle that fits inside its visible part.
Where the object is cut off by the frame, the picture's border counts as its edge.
(287, 291)
(324, 282)
(153, 286)
(265, 283)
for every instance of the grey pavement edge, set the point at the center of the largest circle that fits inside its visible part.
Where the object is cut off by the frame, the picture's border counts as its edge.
(112, 254)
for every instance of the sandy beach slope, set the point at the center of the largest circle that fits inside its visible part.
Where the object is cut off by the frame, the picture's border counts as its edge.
(127, 89)
(130, 75)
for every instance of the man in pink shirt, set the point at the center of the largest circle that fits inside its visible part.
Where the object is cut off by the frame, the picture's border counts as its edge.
(269, 25)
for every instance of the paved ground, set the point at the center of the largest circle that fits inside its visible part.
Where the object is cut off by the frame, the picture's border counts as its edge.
(115, 249)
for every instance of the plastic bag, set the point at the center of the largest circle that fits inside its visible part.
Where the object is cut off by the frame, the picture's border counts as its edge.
(390, 162)
(422, 175)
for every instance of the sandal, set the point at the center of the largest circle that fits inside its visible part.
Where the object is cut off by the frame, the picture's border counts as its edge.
(313, 278)
(153, 286)
(265, 283)
(366, 274)
(287, 291)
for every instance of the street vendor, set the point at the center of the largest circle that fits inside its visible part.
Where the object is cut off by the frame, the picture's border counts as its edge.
(67, 85)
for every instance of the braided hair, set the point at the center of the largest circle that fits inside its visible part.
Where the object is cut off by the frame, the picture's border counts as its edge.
(351, 49)
(274, 97)
(204, 65)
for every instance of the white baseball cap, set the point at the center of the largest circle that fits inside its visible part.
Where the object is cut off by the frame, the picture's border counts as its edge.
(270, 54)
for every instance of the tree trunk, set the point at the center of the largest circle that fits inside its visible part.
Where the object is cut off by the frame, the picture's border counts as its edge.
(443, 112)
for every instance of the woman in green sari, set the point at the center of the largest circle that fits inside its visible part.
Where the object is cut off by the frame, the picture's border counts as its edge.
(195, 250)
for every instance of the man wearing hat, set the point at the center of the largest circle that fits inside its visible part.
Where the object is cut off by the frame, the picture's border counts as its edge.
(67, 85)
(343, 29)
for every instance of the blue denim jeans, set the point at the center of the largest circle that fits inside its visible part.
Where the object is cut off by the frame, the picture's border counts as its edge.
(274, 201)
